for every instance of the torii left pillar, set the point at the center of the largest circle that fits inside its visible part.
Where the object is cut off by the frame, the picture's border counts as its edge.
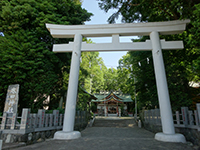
(70, 107)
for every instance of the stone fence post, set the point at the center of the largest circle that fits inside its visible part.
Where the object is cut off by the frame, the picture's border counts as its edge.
(50, 120)
(196, 118)
(55, 114)
(46, 120)
(3, 122)
(198, 112)
(61, 120)
(184, 111)
(78, 118)
(14, 117)
(35, 121)
(191, 118)
(41, 116)
(145, 116)
(25, 118)
(177, 118)
(157, 113)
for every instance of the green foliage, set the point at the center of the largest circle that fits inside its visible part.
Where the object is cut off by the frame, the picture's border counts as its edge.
(91, 72)
(148, 10)
(181, 66)
(83, 100)
(110, 79)
(26, 49)
(61, 111)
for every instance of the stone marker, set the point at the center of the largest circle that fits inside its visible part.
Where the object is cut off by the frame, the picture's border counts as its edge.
(12, 98)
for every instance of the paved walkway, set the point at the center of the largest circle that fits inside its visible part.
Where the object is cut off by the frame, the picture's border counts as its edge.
(108, 134)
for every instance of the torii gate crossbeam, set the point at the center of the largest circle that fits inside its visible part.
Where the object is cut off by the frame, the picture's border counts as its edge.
(116, 46)
(115, 30)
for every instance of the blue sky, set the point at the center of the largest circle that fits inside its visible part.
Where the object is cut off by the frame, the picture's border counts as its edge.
(100, 17)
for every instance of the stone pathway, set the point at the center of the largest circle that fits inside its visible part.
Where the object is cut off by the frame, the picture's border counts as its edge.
(107, 134)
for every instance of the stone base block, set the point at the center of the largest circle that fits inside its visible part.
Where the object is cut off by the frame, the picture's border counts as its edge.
(170, 137)
(62, 135)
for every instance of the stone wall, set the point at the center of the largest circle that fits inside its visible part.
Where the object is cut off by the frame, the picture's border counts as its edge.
(34, 137)
(191, 135)
(28, 138)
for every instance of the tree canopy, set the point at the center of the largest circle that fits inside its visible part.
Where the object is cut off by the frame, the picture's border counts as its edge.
(26, 48)
(26, 56)
(181, 66)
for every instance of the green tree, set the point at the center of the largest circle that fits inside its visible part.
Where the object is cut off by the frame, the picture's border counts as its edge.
(91, 72)
(26, 48)
(181, 65)
(110, 79)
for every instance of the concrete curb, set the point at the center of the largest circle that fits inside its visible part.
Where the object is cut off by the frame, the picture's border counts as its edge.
(12, 145)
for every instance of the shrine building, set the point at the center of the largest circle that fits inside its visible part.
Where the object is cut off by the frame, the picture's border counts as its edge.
(110, 103)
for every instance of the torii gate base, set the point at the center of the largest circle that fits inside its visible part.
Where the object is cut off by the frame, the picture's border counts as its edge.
(155, 45)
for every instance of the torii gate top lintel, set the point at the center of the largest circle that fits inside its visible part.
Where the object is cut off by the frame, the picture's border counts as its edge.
(126, 29)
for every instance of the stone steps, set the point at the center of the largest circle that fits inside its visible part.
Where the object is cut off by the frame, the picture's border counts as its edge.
(114, 123)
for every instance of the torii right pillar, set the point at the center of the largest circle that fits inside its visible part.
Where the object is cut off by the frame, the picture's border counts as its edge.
(168, 134)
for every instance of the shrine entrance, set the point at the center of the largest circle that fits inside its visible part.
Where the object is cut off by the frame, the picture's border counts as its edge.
(111, 103)
(153, 29)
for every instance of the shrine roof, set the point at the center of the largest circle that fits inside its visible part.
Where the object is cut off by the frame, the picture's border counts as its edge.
(112, 95)
(92, 97)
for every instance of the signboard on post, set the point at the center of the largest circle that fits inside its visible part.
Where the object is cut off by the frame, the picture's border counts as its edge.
(12, 98)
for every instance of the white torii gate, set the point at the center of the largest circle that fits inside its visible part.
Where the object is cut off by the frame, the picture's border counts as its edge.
(115, 30)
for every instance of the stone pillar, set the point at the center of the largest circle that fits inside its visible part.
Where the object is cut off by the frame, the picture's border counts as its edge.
(191, 118)
(157, 115)
(3, 123)
(60, 119)
(177, 118)
(35, 121)
(14, 118)
(55, 116)
(41, 114)
(25, 118)
(168, 134)
(69, 117)
(50, 120)
(198, 110)
(184, 111)
(46, 120)
(196, 118)
(105, 111)
(119, 112)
